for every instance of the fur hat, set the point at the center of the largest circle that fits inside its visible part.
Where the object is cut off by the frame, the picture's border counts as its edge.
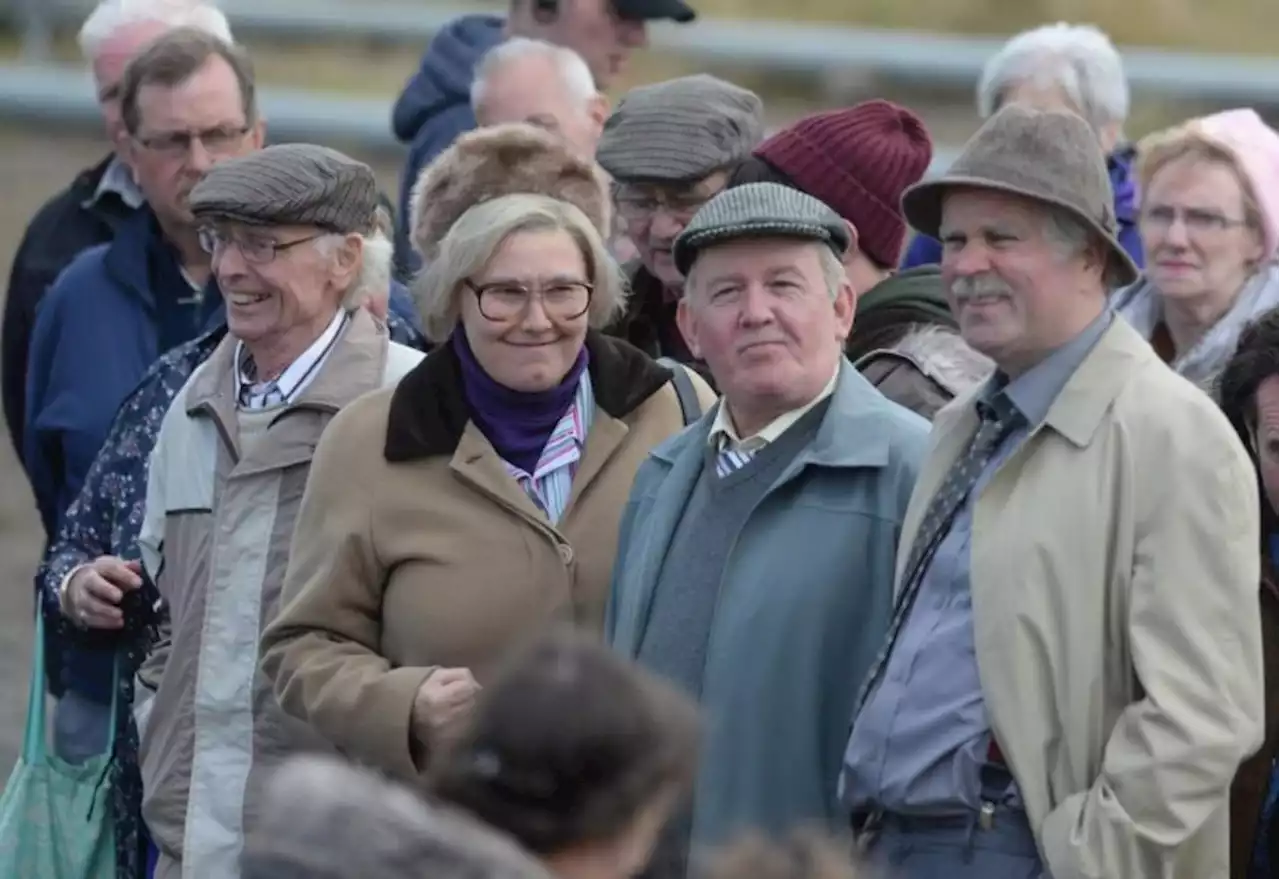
(503, 160)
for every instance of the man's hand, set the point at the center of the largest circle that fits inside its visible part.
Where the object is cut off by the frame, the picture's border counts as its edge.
(93, 595)
(444, 700)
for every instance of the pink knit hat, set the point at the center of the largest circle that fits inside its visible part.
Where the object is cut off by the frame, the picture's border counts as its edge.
(1256, 147)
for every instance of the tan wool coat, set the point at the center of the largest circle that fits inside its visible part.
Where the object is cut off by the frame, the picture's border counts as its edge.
(416, 549)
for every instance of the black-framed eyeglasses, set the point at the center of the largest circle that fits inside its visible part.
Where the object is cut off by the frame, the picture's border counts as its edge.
(636, 204)
(256, 249)
(217, 141)
(562, 298)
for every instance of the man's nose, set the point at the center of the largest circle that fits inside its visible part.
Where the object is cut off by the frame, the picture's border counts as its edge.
(966, 260)
(756, 306)
(198, 158)
(665, 226)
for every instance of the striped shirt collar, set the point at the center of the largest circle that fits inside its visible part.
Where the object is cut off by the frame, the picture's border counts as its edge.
(564, 446)
(252, 394)
(725, 436)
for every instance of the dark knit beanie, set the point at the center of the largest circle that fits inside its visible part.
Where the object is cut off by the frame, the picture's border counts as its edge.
(858, 160)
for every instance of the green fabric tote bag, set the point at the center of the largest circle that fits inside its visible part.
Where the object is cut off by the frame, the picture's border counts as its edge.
(55, 820)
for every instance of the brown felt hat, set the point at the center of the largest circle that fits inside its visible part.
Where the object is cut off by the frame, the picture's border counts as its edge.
(1051, 157)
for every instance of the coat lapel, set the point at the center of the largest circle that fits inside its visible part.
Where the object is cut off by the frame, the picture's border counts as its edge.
(655, 529)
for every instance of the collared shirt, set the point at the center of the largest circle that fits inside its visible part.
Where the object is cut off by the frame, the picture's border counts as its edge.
(551, 482)
(724, 435)
(117, 180)
(919, 742)
(254, 394)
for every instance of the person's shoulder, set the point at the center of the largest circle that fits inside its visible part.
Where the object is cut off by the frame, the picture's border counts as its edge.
(66, 204)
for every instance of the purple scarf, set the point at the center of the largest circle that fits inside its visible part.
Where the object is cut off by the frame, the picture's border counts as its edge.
(518, 423)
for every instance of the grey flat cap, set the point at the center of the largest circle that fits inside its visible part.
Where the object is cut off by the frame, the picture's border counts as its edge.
(291, 184)
(681, 130)
(759, 210)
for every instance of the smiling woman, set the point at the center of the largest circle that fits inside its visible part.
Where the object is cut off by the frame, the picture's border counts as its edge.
(480, 501)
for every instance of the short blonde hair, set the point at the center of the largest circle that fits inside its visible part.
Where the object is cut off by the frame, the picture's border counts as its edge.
(1187, 140)
(472, 241)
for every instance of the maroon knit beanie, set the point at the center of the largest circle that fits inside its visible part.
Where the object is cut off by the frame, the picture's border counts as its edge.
(858, 160)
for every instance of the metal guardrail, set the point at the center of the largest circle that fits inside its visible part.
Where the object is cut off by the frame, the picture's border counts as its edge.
(917, 57)
(64, 96)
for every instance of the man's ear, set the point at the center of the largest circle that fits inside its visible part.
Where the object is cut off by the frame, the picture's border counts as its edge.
(598, 110)
(687, 321)
(347, 260)
(852, 249)
(258, 133)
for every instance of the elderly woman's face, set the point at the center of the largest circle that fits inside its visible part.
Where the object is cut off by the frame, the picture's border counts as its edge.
(1197, 242)
(525, 313)
(279, 281)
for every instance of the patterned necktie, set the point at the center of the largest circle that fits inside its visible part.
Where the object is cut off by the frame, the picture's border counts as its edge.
(999, 419)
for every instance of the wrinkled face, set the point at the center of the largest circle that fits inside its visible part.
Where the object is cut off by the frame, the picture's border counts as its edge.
(761, 314)
(1016, 292)
(1194, 231)
(594, 30)
(532, 90)
(656, 214)
(525, 313)
(108, 70)
(280, 282)
(184, 131)
(1267, 436)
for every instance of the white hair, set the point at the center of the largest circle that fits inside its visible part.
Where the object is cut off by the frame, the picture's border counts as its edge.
(573, 71)
(1077, 59)
(373, 281)
(109, 16)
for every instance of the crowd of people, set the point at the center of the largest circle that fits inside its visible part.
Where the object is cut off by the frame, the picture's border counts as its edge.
(647, 493)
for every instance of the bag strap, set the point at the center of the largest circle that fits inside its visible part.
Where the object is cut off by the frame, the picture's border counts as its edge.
(35, 737)
(690, 405)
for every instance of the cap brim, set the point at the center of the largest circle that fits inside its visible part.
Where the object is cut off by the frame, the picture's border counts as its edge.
(922, 206)
(655, 10)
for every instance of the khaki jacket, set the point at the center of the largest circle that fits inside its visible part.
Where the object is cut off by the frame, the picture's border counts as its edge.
(1115, 593)
(416, 549)
(215, 537)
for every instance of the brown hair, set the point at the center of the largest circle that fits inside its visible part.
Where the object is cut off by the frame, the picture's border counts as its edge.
(1187, 140)
(568, 745)
(804, 854)
(503, 160)
(172, 59)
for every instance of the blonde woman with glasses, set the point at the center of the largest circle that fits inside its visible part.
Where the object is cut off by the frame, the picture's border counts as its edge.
(480, 500)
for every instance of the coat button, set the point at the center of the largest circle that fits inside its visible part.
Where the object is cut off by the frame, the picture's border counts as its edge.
(566, 553)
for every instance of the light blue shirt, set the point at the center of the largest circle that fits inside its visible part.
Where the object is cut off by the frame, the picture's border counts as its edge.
(551, 482)
(919, 742)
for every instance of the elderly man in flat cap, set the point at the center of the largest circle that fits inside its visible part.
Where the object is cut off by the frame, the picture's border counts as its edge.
(1074, 667)
(755, 565)
(670, 147)
(288, 229)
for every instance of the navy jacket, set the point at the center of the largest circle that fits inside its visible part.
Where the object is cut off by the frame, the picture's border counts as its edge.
(67, 224)
(435, 107)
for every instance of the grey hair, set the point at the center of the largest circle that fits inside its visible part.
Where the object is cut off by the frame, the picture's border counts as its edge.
(109, 16)
(573, 71)
(833, 273)
(1072, 237)
(1078, 59)
(324, 819)
(476, 236)
(373, 281)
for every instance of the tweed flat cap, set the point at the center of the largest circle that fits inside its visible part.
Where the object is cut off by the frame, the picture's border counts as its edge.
(681, 130)
(1048, 156)
(759, 210)
(291, 184)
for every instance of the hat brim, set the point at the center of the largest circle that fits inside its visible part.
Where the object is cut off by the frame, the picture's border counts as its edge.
(922, 206)
(655, 10)
(686, 249)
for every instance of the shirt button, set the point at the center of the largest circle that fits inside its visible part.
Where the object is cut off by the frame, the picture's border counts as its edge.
(566, 553)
